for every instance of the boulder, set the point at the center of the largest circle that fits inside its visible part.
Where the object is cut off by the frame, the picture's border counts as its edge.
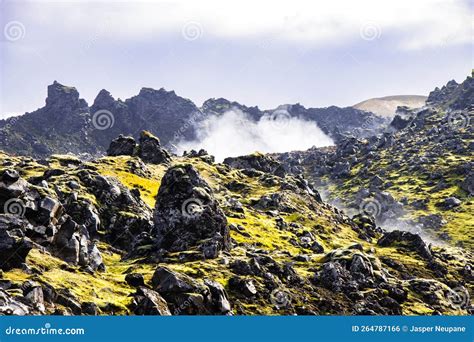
(66, 242)
(406, 240)
(150, 150)
(257, 161)
(34, 293)
(11, 185)
(449, 203)
(184, 295)
(243, 286)
(11, 306)
(187, 215)
(89, 308)
(122, 146)
(14, 246)
(167, 281)
(399, 123)
(135, 279)
(219, 300)
(149, 302)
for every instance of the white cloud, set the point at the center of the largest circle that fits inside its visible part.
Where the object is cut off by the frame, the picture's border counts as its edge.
(416, 24)
(234, 134)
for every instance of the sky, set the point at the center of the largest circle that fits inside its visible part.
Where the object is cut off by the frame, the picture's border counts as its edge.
(265, 53)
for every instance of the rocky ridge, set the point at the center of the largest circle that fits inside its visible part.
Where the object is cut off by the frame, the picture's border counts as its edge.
(68, 125)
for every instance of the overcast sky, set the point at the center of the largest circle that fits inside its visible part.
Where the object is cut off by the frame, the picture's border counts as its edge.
(261, 53)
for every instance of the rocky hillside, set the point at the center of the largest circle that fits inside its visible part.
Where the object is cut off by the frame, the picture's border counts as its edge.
(142, 232)
(380, 225)
(67, 124)
(416, 176)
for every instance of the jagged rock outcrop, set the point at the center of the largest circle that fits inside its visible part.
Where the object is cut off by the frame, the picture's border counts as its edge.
(122, 146)
(187, 215)
(14, 245)
(407, 240)
(187, 296)
(61, 126)
(33, 216)
(258, 162)
(148, 149)
(68, 125)
(149, 302)
(454, 96)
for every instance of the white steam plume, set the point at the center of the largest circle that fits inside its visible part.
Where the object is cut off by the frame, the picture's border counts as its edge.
(234, 134)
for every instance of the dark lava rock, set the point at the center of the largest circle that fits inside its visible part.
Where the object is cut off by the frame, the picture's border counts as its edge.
(122, 146)
(449, 203)
(243, 286)
(256, 161)
(219, 299)
(14, 246)
(149, 302)
(399, 123)
(187, 296)
(407, 240)
(135, 279)
(187, 215)
(167, 281)
(150, 150)
(10, 305)
(89, 308)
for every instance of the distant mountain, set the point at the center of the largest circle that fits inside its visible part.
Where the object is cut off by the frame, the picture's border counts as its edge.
(67, 124)
(387, 106)
(333, 121)
(454, 96)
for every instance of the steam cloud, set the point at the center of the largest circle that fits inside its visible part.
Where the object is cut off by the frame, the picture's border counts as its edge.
(234, 134)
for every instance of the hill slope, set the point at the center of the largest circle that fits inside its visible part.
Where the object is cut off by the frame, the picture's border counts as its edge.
(387, 106)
